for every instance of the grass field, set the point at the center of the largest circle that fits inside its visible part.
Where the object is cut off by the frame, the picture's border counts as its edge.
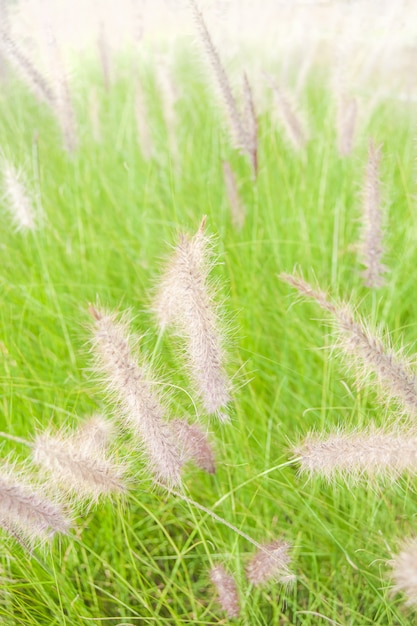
(107, 217)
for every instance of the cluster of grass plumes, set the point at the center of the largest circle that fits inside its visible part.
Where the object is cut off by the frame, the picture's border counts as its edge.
(145, 148)
(370, 452)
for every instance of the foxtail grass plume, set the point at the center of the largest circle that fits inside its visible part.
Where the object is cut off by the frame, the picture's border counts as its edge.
(17, 198)
(94, 435)
(82, 472)
(236, 205)
(372, 452)
(194, 445)
(371, 248)
(136, 392)
(366, 350)
(271, 563)
(185, 301)
(404, 571)
(226, 589)
(27, 70)
(239, 132)
(27, 510)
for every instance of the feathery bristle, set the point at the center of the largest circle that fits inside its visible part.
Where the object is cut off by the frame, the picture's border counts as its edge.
(251, 124)
(24, 508)
(194, 445)
(136, 393)
(226, 590)
(404, 571)
(185, 301)
(372, 248)
(367, 351)
(270, 563)
(28, 71)
(94, 435)
(358, 454)
(77, 470)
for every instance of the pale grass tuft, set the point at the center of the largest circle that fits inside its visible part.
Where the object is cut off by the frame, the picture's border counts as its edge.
(404, 571)
(194, 445)
(81, 471)
(372, 452)
(94, 434)
(251, 123)
(135, 390)
(367, 350)
(185, 300)
(271, 563)
(226, 590)
(17, 198)
(26, 510)
(371, 248)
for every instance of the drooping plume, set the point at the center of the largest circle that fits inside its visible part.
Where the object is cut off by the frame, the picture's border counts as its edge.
(185, 301)
(226, 591)
(404, 571)
(137, 394)
(367, 350)
(271, 563)
(194, 445)
(17, 198)
(358, 454)
(84, 472)
(371, 248)
(25, 509)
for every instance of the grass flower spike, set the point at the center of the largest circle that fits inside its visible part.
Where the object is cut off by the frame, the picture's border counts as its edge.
(226, 590)
(136, 393)
(24, 508)
(78, 470)
(370, 354)
(359, 454)
(194, 445)
(404, 571)
(270, 563)
(185, 301)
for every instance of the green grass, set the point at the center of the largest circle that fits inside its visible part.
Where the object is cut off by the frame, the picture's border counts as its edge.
(109, 218)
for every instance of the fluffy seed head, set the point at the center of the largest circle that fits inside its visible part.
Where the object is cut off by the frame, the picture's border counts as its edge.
(270, 563)
(359, 454)
(75, 469)
(136, 393)
(235, 202)
(404, 571)
(185, 301)
(226, 590)
(24, 508)
(194, 445)
(368, 352)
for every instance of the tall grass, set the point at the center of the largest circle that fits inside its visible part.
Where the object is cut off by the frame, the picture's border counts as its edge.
(110, 211)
